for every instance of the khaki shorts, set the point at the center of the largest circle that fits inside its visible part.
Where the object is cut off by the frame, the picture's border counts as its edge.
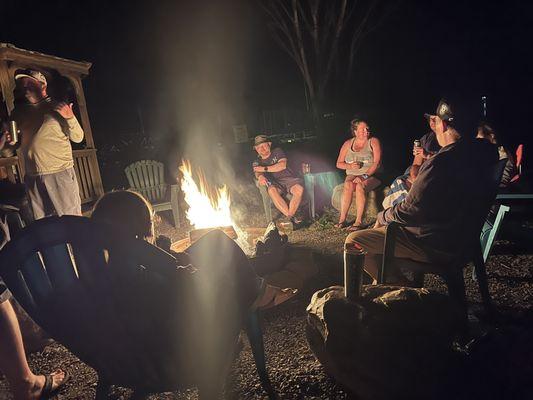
(372, 240)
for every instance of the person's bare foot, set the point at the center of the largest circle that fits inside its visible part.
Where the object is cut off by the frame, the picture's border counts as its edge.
(35, 387)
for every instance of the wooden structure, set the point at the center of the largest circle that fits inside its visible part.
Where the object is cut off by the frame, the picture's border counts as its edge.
(85, 161)
(148, 178)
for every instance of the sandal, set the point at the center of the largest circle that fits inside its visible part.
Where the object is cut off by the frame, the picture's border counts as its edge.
(47, 390)
(342, 225)
(355, 228)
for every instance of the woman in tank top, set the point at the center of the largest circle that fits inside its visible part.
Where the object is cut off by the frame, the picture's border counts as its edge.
(360, 156)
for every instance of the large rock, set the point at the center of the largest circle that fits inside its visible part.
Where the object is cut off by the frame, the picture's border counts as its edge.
(401, 347)
(371, 206)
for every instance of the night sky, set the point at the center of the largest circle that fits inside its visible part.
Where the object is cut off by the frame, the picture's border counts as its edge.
(179, 60)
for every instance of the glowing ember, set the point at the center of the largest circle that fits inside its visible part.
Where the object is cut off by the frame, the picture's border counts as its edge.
(207, 208)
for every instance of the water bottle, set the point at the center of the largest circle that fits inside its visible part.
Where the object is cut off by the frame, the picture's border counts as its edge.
(354, 259)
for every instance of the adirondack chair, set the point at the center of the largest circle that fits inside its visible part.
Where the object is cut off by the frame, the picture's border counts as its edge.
(148, 178)
(119, 306)
(452, 272)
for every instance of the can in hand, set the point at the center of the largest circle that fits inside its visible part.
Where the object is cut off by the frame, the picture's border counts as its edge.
(417, 143)
(13, 132)
(354, 259)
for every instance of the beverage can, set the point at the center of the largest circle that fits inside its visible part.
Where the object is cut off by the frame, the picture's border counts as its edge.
(417, 143)
(14, 132)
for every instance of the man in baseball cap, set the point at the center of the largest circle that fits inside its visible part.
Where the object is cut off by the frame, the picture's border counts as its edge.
(47, 128)
(444, 112)
(271, 171)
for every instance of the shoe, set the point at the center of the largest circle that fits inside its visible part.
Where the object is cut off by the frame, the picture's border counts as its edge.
(47, 390)
(354, 228)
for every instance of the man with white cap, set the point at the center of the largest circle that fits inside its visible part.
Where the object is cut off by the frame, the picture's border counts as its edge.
(47, 127)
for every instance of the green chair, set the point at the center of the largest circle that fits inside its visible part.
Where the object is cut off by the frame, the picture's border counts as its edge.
(148, 178)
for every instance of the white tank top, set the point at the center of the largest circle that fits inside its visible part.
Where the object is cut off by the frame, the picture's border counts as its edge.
(365, 155)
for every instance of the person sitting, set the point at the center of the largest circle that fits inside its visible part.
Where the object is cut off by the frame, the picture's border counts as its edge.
(134, 214)
(24, 384)
(400, 186)
(361, 158)
(271, 170)
(485, 131)
(432, 218)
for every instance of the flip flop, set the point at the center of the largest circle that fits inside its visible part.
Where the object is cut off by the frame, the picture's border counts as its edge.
(342, 225)
(355, 228)
(47, 390)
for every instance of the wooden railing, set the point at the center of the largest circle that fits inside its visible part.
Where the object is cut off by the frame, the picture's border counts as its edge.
(85, 165)
(88, 173)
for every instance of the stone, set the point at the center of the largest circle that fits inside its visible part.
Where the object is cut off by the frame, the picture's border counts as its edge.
(392, 343)
(371, 207)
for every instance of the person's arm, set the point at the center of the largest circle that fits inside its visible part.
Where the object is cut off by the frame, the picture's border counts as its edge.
(277, 167)
(418, 160)
(73, 128)
(376, 151)
(341, 164)
(425, 193)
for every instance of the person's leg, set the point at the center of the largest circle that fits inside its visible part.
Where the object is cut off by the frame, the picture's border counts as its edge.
(360, 199)
(24, 383)
(372, 240)
(346, 199)
(297, 192)
(39, 200)
(63, 190)
(278, 200)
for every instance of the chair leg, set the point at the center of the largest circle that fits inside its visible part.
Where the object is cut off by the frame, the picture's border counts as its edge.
(457, 292)
(481, 276)
(255, 336)
(175, 207)
(102, 388)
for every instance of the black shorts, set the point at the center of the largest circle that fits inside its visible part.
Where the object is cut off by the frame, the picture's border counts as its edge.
(285, 184)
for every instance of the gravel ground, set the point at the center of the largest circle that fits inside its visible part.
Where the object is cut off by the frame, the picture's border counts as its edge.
(293, 369)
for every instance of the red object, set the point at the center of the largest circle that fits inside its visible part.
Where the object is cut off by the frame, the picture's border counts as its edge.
(519, 156)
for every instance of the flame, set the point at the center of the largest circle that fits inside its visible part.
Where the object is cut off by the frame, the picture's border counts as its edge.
(208, 207)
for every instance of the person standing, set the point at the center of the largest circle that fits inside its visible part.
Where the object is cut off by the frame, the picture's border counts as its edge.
(47, 127)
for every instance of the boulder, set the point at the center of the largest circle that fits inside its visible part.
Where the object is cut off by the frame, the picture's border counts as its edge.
(392, 343)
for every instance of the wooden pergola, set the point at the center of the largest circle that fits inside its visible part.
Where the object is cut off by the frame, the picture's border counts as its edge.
(85, 161)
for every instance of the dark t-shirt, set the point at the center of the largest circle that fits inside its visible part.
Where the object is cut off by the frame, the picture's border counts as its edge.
(429, 143)
(275, 155)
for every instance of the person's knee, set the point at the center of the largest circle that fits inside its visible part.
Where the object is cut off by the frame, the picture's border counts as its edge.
(272, 190)
(354, 239)
(348, 185)
(297, 190)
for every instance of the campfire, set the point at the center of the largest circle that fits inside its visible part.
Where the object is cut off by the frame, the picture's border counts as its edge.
(209, 207)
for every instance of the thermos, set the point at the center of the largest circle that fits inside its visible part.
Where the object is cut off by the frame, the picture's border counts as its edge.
(354, 259)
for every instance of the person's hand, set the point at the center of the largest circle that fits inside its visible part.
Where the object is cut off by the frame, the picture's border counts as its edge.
(358, 179)
(419, 151)
(377, 224)
(64, 109)
(262, 180)
(259, 169)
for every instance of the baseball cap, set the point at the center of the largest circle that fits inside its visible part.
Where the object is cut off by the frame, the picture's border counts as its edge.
(444, 111)
(261, 139)
(36, 75)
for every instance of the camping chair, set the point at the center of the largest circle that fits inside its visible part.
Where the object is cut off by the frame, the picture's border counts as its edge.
(119, 306)
(148, 178)
(452, 272)
(267, 202)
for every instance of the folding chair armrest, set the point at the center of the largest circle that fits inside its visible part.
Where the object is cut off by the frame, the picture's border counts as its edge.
(388, 249)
